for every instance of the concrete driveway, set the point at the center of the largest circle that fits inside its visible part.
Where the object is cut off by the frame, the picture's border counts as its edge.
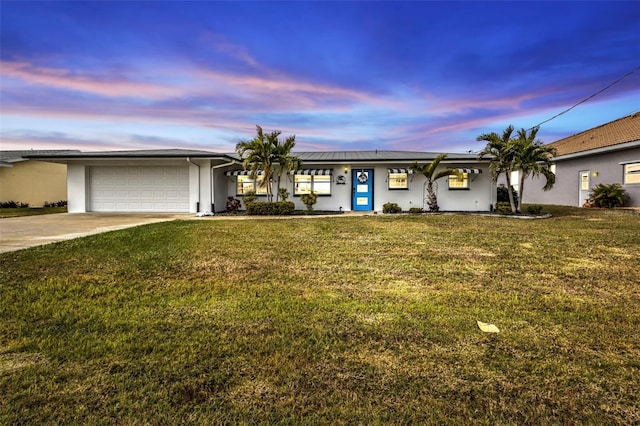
(17, 233)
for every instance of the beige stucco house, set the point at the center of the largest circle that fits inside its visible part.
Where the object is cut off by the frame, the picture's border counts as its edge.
(31, 181)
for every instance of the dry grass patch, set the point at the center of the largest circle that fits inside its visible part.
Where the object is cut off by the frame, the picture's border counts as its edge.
(340, 320)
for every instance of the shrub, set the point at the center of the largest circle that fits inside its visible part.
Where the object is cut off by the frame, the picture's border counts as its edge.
(608, 196)
(503, 207)
(503, 195)
(61, 203)
(261, 208)
(309, 200)
(533, 209)
(391, 208)
(13, 204)
(283, 193)
(415, 210)
(249, 197)
(232, 205)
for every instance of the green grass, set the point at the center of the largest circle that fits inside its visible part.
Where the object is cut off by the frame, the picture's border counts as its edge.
(336, 320)
(30, 211)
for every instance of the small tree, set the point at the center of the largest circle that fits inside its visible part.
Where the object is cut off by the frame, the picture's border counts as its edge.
(503, 150)
(258, 156)
(533, 158)
(286, 161)
(309, 200)
(283, 194)
(429, 171)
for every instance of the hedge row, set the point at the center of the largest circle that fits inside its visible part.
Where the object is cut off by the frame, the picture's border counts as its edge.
(260, 208)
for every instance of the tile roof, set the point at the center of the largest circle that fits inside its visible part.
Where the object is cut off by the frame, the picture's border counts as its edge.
(622, 130)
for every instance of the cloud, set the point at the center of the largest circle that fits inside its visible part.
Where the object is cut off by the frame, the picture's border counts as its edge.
(66, 79)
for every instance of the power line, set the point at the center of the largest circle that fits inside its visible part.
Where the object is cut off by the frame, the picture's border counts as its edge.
(589, 97)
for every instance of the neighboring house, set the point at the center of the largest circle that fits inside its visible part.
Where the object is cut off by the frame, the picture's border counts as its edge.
(606, 154)
(197, 181)
(30, 181)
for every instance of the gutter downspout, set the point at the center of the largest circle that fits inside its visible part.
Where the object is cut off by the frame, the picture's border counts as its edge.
(213, 182)
(197, 202)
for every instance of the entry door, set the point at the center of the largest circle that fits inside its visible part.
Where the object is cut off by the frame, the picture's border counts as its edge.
(584, 185)
(362, 189)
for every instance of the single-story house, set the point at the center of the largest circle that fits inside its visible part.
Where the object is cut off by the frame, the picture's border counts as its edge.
(30, 181)
(606, 154)
(190, 181)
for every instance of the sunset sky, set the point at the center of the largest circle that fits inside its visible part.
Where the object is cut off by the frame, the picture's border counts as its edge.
(416, 76)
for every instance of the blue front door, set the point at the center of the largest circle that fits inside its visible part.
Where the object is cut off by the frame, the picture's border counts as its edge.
(362, 189)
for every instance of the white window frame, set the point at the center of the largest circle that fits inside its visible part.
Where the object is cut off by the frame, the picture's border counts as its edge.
(244, 181)
(314, 182)
(398, 177)
(464, 182)
(631, 170)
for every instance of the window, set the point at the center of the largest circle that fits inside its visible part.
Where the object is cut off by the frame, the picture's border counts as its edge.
(304, 184)
(398, 180)
(631, 173)
(515, 180)
(246, 184)
(457, 183)
(584, 181)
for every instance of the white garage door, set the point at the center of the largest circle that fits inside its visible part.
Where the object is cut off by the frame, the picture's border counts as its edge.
(139, 189)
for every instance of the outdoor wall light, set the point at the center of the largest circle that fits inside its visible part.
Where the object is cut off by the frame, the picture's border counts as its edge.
(346, 170)
(594, 174)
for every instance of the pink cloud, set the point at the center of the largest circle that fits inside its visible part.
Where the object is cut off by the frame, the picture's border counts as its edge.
(282, 87)
(83, 82)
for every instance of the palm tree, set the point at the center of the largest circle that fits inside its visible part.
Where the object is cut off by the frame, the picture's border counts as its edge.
(429, 171)
(282, 155)
(263, 152)
(259, 158)
(533, 159)
(504, 150)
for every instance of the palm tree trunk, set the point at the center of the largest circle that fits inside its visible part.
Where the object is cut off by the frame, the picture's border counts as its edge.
(278, 187)
(510, 192)
(521, 187)
(432, 199)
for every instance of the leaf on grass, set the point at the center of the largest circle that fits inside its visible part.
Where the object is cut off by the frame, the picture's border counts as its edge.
(488, 328)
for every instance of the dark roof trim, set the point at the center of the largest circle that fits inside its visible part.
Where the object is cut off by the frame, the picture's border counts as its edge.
(161, 153)
(313, 172)
(241, 172)
(329, 157)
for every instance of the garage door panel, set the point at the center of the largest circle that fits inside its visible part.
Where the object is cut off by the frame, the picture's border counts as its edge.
(139, 189)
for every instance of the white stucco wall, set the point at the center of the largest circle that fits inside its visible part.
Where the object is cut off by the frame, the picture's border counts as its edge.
(479, 197)
(76, 188)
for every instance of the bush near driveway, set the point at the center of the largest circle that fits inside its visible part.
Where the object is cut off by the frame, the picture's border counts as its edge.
(336, 320)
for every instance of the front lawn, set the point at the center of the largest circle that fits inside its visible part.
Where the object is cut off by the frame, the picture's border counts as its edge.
(30, 211)
(334, 320)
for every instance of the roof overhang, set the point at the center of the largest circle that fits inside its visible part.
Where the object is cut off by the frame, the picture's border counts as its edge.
(612, 148)
(132, 155)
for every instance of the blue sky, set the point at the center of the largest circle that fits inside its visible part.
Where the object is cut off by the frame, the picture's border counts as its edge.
(419, 76)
